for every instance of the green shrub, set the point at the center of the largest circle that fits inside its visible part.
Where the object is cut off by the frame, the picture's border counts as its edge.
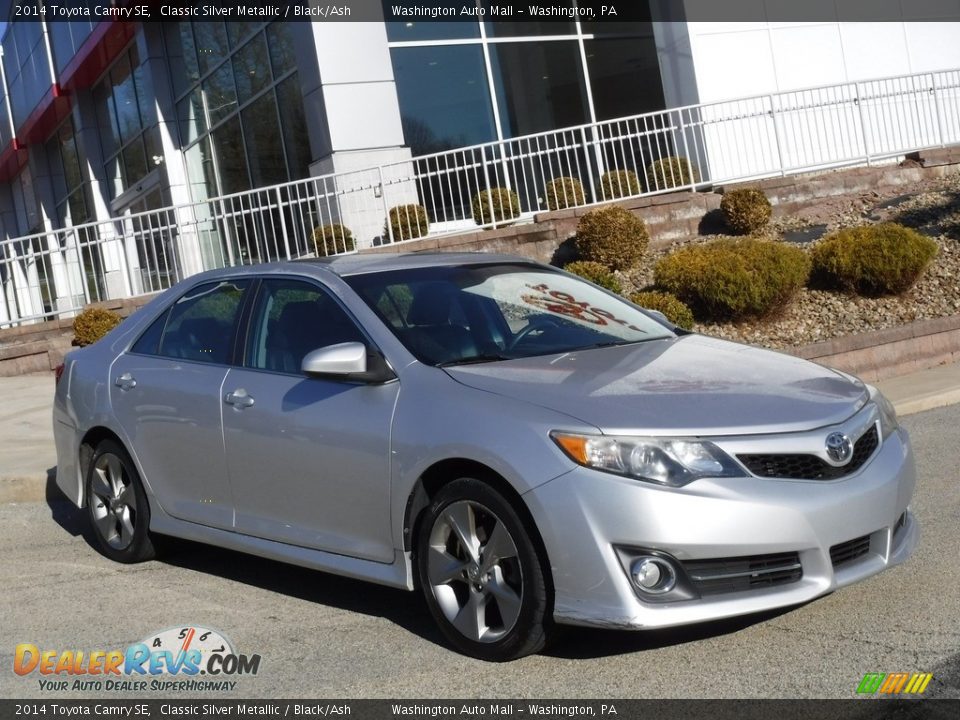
(564, 192)
(595, 273)
(671, 172)
(408, 222)
(612, 236)
(881, 259)
(332, 239)
(503, 202)
(92, 324)
(745, 210)
(676, 310)
(733, 278)
(619, 183)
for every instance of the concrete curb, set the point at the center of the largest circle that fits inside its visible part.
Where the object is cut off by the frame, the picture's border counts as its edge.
(34, 488)
(920, 404)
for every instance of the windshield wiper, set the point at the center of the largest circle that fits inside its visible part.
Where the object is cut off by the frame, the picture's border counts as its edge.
(472, 359)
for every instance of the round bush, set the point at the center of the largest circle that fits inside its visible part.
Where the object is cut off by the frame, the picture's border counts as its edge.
(564, 192)
(676, 310)
(733, 278)
(745, 210)
(883, 259)
(619, 183)
(612, 236)
(595, 273)
(332, 239)
(504, 204)
(92, 324)
(408, 222)
(671, 172)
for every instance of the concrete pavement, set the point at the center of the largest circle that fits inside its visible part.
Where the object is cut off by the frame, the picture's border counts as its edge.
(27, 453)
(329, 637)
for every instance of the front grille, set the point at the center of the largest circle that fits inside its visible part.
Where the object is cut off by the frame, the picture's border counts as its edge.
(810, 467)
(727, 575)
(849, 551)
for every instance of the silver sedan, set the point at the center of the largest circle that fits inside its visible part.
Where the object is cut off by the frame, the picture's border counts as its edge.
(523, 446)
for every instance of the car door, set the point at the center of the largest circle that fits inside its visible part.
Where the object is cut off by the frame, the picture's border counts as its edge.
(165, 393)
(308, 457)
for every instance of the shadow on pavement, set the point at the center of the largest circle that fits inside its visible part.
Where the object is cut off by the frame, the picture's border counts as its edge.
(65, 513)
(405, 609)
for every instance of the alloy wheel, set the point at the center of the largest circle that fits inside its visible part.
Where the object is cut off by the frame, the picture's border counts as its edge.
(474, 571)
(114, 502)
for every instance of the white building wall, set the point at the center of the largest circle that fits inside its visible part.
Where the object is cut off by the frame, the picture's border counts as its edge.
(738, 59)
(741, 59)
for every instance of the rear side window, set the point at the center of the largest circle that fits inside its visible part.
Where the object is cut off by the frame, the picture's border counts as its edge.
(199, 326)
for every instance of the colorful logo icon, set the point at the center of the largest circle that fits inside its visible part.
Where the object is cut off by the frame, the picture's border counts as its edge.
(894, 683)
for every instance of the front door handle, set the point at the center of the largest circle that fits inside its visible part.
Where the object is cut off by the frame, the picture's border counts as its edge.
(125, 382)
(238, 398)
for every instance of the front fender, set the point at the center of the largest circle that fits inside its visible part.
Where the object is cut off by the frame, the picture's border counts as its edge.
(440, 419)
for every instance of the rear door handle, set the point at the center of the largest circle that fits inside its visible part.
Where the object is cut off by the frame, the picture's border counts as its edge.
(125, 382)
(238, 398)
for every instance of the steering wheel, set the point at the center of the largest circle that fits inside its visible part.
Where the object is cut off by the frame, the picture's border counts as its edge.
(538, 323)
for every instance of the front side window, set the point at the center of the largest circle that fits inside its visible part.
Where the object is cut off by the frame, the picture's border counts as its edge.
(291, 319)
(199, 326)
(479, 313)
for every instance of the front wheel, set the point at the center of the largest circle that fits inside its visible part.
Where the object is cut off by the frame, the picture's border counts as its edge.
(480, 573)
(117, 505)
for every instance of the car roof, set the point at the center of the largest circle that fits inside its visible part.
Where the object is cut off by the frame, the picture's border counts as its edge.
(357, 264)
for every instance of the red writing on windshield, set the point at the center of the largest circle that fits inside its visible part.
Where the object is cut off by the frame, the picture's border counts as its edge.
(563, 303)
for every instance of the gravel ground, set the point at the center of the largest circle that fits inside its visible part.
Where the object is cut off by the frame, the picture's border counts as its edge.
(815, 315)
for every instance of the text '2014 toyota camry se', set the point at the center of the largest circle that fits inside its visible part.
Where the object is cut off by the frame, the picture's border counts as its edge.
(525, 447)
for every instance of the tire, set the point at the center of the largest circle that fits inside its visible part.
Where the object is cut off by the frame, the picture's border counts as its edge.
(117, 505)
(480, 573)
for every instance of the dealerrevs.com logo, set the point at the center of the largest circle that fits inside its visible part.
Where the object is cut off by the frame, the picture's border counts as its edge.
(172, 659)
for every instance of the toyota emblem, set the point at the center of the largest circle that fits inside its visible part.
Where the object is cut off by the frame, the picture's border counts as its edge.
(839, 448)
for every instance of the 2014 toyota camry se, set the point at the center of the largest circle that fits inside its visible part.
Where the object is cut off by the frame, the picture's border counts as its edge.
(525, 447)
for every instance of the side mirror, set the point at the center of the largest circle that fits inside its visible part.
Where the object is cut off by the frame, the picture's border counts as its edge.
(347, 361)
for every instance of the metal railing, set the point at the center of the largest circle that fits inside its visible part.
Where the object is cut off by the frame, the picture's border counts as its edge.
(54, 274)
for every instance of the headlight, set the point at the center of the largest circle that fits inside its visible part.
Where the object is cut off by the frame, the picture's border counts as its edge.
(888, 416)
(665, 461)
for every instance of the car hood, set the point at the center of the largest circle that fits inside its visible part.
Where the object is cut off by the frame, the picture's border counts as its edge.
(689, 385)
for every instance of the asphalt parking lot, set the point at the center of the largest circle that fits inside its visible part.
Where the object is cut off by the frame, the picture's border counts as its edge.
(323, 636)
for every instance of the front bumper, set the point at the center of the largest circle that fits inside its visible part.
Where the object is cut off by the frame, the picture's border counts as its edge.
(584, 514)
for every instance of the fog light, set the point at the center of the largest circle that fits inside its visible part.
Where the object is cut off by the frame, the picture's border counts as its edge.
(653, 575)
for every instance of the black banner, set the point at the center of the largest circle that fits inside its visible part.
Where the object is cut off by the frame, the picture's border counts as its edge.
(860, 709)
(561, 11)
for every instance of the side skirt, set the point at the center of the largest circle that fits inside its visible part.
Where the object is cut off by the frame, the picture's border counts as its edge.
(398, 574)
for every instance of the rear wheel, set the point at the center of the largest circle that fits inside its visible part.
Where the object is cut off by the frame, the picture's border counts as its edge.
(117, 505)
(480, 573)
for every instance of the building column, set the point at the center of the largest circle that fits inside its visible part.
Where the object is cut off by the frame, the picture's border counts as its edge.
(187, 243)
(65, 279)
(117, 269)
(353, 118)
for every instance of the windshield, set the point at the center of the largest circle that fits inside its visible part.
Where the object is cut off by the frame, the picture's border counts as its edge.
(482, 313)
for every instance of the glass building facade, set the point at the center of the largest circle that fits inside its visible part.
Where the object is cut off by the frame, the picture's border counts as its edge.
(102, 119)
(464, 83)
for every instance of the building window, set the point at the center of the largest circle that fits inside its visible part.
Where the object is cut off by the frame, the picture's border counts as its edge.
(540, 86)
(444, 100)
(26, 66)
(70, 188)
(544, 75)
(239, 106)
(127, 121)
